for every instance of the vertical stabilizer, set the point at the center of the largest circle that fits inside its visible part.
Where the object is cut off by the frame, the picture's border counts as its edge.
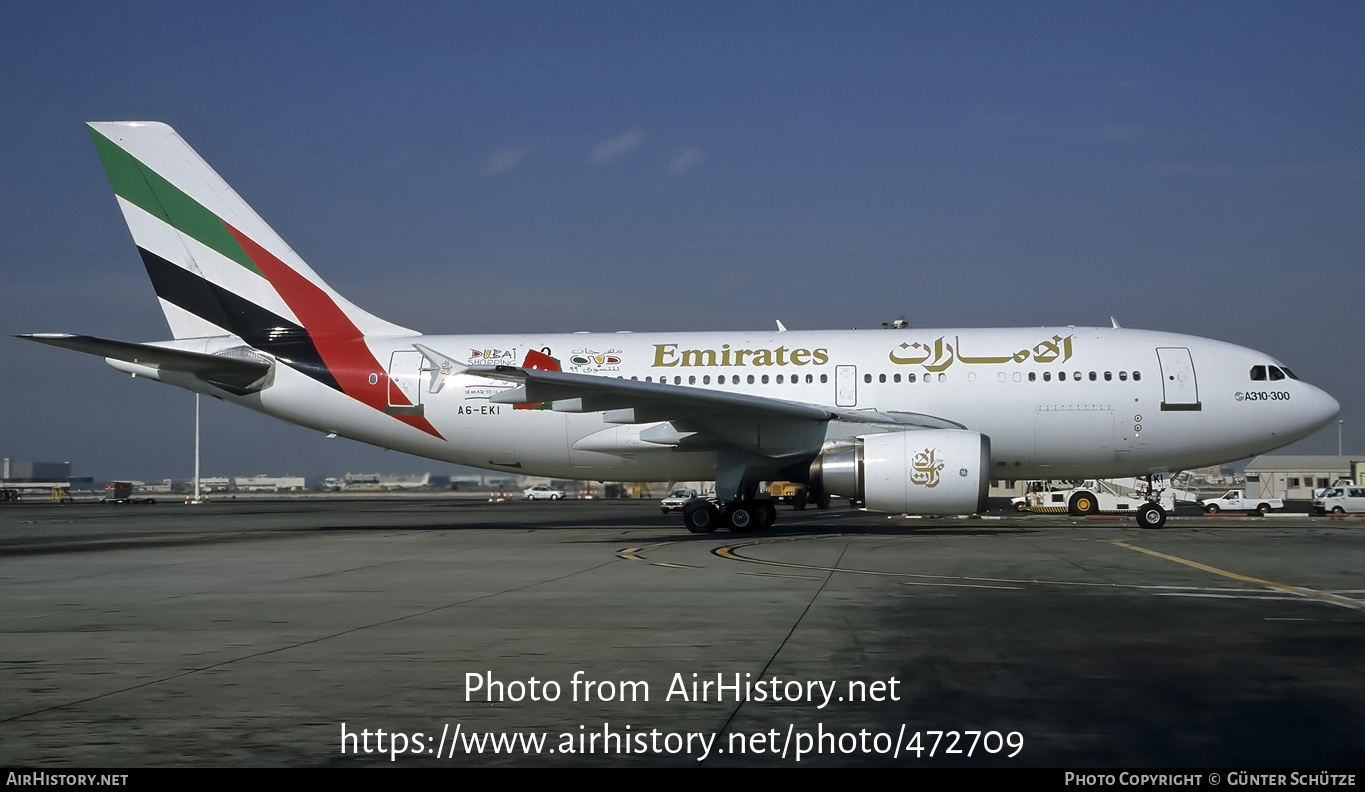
(217, 267)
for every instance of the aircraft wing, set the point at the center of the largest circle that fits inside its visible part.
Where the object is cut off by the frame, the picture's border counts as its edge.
(235, 374)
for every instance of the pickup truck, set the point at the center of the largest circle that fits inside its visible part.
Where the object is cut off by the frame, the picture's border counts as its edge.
(1237, 500)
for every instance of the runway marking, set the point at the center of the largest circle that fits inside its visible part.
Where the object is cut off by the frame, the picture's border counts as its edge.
(634, 553)
(776, 575)
(674, 566)
(1264, 595)
(1332, 599)
(731, 553)
(960, 585)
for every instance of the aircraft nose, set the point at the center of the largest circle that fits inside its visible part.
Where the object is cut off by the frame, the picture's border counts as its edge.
(1319, 408)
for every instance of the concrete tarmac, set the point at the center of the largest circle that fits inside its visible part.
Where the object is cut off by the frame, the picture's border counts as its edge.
(293, 632)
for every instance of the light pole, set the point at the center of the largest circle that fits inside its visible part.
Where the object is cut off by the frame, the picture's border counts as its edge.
(1339, 425)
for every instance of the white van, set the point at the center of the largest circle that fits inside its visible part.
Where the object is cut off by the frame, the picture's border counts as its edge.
(1340, 499)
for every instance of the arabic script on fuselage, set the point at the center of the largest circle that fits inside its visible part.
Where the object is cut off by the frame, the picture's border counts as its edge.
(938, 354)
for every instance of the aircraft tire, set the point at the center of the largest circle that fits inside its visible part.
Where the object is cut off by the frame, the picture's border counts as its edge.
(701, 517)
(742, 516)
(767, 515)
(1151, 515)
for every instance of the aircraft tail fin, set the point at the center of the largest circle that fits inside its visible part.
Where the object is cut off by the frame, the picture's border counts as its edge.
(217, 267)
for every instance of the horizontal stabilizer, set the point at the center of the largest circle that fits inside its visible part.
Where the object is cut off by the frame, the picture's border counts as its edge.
(237, 374)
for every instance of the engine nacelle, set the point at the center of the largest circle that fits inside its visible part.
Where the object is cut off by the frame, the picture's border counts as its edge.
(929, 471)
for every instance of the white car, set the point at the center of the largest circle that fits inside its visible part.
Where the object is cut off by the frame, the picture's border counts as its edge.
(542, 492)
(677, 500)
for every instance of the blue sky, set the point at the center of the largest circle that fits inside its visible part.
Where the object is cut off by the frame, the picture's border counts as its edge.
(1196, 167)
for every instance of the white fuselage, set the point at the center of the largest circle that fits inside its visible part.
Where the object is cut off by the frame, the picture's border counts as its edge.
(1056, 402)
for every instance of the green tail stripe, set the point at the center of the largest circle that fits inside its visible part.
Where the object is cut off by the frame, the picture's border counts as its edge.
(144, 188)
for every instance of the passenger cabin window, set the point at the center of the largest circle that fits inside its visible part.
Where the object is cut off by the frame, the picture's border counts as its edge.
(1257, 373)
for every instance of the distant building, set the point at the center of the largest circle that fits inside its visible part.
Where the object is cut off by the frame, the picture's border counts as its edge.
(1295, 477)
(35, 471)
(268, 483)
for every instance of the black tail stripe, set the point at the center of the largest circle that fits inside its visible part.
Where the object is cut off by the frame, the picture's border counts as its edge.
(262, 329)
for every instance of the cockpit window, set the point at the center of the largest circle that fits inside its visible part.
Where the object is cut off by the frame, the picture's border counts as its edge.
(1289, 373)
(1276, 374)
(1257, 373)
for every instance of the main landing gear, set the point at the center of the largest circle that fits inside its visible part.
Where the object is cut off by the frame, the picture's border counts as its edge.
(740, 516)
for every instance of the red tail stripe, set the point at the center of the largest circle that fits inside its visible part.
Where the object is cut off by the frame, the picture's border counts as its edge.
(338, 340)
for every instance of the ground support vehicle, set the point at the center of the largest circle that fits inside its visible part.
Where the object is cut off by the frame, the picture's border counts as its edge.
(1345, 499)
(1237, 500)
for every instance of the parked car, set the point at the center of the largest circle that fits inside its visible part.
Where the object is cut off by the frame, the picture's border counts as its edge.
(542, 492)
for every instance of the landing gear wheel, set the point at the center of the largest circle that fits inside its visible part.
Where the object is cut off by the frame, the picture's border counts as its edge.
(821, 499)
(799, 500)
(1083, 503)
(1151, 515)
(701, 517)
(742, 516)
(767, 515)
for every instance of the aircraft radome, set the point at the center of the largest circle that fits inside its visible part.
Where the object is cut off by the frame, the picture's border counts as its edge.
(913, 420)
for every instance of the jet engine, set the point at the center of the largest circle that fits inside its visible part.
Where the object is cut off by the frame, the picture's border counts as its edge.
(928, 471)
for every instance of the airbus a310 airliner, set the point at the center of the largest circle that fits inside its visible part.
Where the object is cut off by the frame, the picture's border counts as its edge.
(913, 421)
